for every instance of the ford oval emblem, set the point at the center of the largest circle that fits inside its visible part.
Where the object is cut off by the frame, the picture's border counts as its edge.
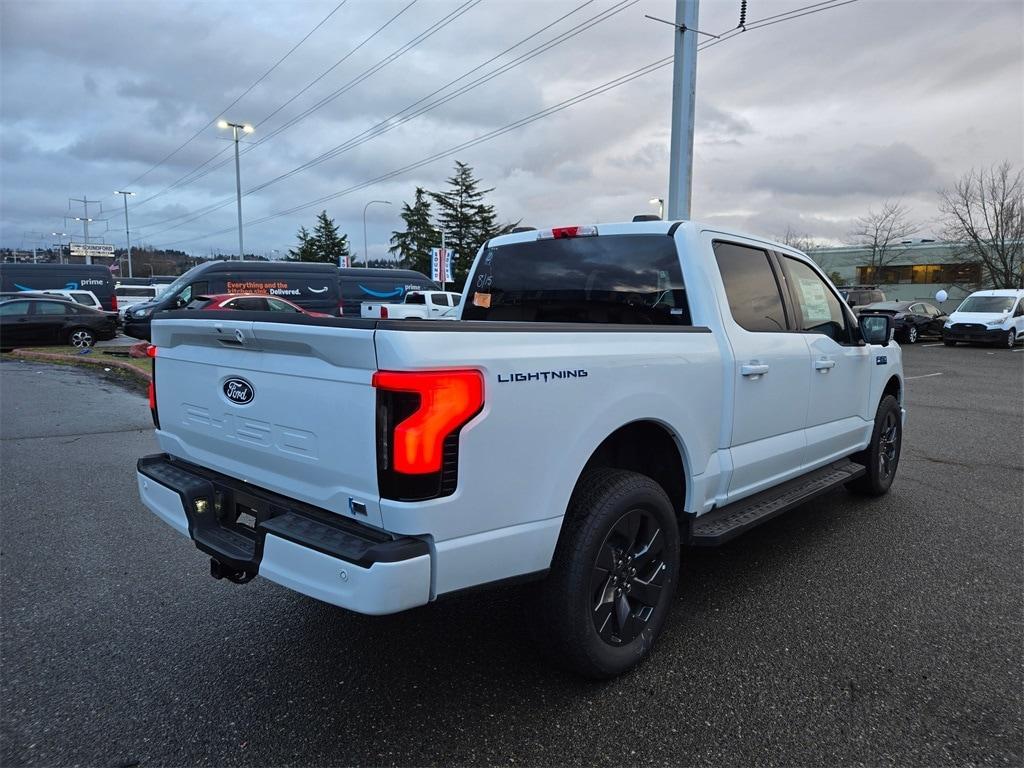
(239, 391)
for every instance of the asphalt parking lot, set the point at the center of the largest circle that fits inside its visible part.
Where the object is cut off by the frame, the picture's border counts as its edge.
(879, 632)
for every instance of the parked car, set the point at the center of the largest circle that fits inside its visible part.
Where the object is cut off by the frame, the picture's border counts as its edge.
(85, 298)
(38, 322)
(250, 303)
(71, 277)
(994, 317)
(130, 295)
(311, 286)
(859, 295)
(359, 284)
(914, 319)
(425, 305)
(608, 394)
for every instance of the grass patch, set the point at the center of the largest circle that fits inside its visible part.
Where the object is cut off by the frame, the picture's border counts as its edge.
(72, 356)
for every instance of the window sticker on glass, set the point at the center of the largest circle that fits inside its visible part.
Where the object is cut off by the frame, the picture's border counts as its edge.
(481, 299)
(814, 301)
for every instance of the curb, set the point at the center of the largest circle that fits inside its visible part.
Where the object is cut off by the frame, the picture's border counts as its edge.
(47, 357)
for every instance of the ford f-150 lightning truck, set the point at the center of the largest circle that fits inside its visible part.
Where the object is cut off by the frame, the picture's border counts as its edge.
(609, 395)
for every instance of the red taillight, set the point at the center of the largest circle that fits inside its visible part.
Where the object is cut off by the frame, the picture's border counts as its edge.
(383, 313)
(151, 353)
(447, 400)
(113, 303)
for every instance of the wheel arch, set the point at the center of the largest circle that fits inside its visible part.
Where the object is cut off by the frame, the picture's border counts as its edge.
(893, 387)
(652, 448)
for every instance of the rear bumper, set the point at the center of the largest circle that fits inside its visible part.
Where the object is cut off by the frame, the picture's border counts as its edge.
(300, 547)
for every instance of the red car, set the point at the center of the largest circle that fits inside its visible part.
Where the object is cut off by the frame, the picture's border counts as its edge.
(249, 301)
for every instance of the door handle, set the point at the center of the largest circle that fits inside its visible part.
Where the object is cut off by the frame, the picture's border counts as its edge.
(754, 369)
(824, 365)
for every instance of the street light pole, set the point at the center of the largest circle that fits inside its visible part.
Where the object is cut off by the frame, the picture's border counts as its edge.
(366, 255)
(235, 128)
(127, 234)
(60, 245)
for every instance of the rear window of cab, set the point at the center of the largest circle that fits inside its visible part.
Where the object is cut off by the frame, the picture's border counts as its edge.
(610, 279)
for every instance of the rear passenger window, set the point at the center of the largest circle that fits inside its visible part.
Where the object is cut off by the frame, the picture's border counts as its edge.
(51, 308)
(416, 298)
(820, 311)
(755, 300)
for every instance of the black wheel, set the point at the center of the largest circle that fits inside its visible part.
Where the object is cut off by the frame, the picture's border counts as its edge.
(882, 456)
(911, 335)
(613, 574)
(949, 342)
(81, 337)
(1011, 338)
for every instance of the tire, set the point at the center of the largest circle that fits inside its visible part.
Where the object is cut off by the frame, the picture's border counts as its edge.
(81, 338)
(613, 576)
(882, 456)
(911, 335)
(1011, 338)
(949, 342)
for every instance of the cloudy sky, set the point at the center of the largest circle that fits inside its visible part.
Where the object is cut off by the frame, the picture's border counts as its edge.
(803, 124)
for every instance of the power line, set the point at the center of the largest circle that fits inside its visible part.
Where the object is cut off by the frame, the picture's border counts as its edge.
(397, 118)
(402, 50)
(259, 80)
(547, 112)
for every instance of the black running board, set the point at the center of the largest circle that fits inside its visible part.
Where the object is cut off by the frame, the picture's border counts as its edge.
(721, 525)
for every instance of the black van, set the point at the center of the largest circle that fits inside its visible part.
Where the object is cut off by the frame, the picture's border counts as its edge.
(71, 277)
(359, 284)
(311, 286)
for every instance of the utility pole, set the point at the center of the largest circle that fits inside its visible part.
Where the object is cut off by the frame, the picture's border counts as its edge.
(235, 128)
(127, 235)
(84, 218)
(684, 97)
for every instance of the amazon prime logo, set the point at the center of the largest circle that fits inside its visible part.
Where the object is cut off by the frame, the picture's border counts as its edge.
(239, 391)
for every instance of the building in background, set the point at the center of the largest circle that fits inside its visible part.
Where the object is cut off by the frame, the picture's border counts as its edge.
(917, 271)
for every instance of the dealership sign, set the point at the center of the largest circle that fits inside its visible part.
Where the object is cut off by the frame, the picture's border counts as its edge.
(92, 249)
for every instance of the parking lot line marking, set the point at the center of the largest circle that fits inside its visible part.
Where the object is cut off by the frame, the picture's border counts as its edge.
(932, 345)
(924, 376)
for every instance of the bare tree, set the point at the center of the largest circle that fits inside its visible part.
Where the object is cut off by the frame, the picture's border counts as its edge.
(983, 212)
(799, 240)
(882, 233)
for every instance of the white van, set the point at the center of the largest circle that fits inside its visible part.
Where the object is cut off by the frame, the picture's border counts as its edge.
(127, 295)
(994, 317)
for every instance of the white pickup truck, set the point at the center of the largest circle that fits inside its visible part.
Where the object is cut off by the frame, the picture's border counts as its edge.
(423, 305)
(608, 395)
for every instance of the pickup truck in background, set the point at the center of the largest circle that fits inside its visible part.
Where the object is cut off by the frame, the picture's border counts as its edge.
(424, 305)
(608, 395)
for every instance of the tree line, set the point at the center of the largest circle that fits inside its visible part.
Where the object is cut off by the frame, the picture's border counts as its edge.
(461, 212)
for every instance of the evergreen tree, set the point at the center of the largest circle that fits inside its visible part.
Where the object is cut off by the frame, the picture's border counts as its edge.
(413, 245)
(330, 246)
(466, 220)
(306, 250)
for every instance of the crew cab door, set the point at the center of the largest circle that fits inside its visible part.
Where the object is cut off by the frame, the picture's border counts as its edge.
(838, 418)
(771, 370)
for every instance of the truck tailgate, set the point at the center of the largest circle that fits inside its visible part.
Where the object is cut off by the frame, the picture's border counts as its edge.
(286, 407)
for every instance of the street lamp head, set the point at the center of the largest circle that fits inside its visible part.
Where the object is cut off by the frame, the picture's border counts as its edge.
(656, 200)
(247, 128)
(119, 192)
(222, 123)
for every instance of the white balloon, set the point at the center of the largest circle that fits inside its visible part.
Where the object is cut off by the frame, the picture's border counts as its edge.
(941, 296)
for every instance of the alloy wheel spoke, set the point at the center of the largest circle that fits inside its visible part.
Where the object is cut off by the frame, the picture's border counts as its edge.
(646, 592)
(604, 622)
(628, 527)
(649, 551)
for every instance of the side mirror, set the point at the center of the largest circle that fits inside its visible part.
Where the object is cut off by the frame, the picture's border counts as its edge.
(877, 329)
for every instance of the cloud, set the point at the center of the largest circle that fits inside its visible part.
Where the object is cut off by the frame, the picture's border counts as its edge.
(805, 123)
